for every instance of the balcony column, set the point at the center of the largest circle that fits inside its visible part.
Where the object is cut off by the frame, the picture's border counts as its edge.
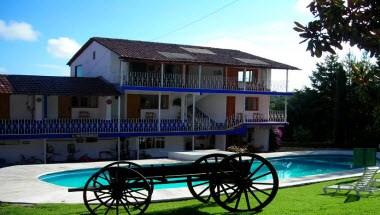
(118, 149)
(193, 138)
(38, 107)
(45, 150)
(45, 106)
(159, 111)
(124, 72)
(244, 75)
(199, 75)
(184, 75)
(183, 107)
(162, 75)
(108, 102)
(226, 78)
(286, 98)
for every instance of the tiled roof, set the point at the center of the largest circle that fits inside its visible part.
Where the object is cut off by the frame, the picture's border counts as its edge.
(165, 52)
(5, 86)
(52, 85)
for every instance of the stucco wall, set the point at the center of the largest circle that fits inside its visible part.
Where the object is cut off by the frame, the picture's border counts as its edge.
(172, 144)
(101, 66)
(18, 107)
(213, 105)
(11, 150)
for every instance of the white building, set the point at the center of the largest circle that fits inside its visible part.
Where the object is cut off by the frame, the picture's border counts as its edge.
(148, 99)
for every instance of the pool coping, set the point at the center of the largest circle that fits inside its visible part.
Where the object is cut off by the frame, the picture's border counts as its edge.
(21, 184)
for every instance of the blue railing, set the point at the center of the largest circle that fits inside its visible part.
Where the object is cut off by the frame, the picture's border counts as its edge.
(128, 126)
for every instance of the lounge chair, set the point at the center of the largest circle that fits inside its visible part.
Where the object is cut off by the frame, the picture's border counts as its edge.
(366, 183)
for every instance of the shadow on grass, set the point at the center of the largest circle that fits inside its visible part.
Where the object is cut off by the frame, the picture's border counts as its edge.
(196, 210)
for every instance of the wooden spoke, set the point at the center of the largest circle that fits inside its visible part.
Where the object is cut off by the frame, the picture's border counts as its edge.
(254, 195)
(247, 199)
(235, 182)
(263, 175)
(256, 170)
(126, 189)
(195, 183)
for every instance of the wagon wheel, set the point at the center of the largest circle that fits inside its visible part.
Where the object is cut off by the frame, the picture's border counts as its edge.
(248, 181)
(124, 164)
(199, 185)
(117, 189)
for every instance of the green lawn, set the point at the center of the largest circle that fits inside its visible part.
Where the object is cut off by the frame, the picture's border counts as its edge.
(297, 200)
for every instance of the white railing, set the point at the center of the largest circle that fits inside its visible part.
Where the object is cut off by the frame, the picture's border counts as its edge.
(175, 80)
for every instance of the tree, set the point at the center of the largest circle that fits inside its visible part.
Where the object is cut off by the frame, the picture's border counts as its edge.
(357, 22)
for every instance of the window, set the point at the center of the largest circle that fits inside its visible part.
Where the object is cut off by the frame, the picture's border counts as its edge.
(78, 71)
(84, 101)
(252, 103)
(93, 55)
(151, 101)
(152, 142)
(250, 75)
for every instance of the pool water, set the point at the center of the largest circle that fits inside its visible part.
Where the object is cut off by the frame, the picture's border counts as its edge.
(287, 168)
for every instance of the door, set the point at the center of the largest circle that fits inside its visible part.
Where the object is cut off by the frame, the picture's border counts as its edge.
(133, 106)
(4, 106)
(64, 107)
(230, 111)
(232, 78)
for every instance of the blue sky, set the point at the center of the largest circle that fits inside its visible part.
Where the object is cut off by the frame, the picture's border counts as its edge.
(38, 36)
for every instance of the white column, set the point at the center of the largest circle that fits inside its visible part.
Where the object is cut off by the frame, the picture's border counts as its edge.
(286, 97)
(38, 107)
(199, 75)
(124, 72)
(162, 75)
(244, 75)
(193, 144)
(183, 107)
(193, 112)
(226, 81)
(184, 75)
(108, 108)
(138, 148)
(45, 150)
(118, 112)
(118, 149)
(159, 111)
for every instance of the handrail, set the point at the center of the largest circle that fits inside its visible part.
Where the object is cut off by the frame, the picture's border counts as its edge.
(176, 80)
(99, 126)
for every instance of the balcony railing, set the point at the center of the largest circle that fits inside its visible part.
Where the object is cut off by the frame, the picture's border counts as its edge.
(101, 126)
(153, 79)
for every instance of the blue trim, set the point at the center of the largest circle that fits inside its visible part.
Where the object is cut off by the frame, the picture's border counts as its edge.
(195, 90)
(45, 106)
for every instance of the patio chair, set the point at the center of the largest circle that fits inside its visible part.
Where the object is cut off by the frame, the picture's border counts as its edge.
(366, 183)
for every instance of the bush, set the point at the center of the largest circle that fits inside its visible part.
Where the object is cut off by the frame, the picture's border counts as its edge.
(302, 135)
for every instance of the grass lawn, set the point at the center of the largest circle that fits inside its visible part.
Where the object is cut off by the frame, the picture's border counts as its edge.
(303, 200)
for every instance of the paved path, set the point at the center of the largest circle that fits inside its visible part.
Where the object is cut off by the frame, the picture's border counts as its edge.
(20, 183)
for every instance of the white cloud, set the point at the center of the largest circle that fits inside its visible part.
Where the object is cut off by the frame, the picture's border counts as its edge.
(58, 70)
(301, 6)
(17, 31)
(276, 41)
(62, 47)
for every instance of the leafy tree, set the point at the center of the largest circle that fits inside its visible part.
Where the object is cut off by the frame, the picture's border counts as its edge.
(357, 22)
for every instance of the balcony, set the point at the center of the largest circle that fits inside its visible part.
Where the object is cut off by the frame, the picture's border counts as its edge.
(130, 127)
(194, 82)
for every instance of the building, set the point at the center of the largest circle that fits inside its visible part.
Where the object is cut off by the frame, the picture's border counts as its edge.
(130, 99)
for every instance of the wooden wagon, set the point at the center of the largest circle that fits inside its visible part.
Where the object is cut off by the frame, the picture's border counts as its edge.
(238, 183)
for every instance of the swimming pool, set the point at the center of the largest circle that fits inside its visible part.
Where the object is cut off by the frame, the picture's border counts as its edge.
(288, 167)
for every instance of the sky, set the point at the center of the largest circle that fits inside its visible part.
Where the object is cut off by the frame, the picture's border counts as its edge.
(38, 37)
